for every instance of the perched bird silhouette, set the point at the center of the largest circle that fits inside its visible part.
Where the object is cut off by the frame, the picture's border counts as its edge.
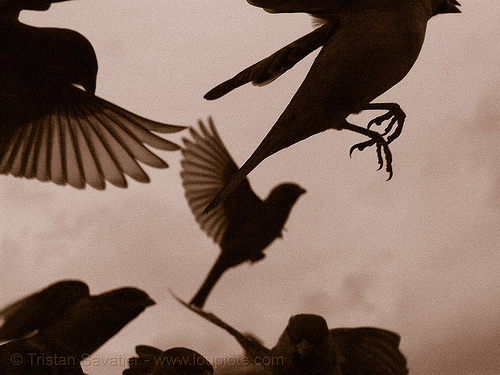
(369, 46)
(244, 225)
(175, 361)
(38, 356)
(66, 312)
(52, 126)
(308, 347)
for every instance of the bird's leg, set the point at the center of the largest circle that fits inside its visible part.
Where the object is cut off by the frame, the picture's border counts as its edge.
(375, 139)
(394, 112)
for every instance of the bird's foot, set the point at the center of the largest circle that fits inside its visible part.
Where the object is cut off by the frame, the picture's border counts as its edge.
(383, 151)
(396, 116)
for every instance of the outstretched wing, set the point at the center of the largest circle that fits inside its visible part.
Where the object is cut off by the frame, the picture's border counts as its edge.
(270, 68)
(84, 140)
(369, 350)
(207, 167)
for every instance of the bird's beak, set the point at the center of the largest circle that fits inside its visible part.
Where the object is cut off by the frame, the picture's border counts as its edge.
(149, 302)
(450, 6)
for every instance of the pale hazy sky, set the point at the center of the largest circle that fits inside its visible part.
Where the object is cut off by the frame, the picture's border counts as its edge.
(418, 255)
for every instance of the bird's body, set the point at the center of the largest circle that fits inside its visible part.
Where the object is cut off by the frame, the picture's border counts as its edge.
(372, 46)
(308, 347)
(52, 126)
(244, 225)
(66, 312)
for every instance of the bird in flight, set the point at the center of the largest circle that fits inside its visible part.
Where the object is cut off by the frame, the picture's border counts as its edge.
(243, 225)
(308, 347)
(368, 47)
(66, 312)
(52, 126)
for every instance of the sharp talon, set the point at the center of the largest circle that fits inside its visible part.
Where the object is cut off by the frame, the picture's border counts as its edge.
(383, 151)
(351, 150)
(390, 126)
(397, 116)
(380, 159)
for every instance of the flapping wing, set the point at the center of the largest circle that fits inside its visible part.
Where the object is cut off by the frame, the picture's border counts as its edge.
(84, 140)
(369, 350)
(267, 70)
(206, 165)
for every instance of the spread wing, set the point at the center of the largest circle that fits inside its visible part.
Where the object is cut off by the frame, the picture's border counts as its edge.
(270, 68)
(83, 140)
(369, 350)
(207, 167)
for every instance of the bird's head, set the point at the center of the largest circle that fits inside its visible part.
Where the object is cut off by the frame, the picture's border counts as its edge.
(280, 201)
(127, 299)
(307, 332)
(70, 56)
(307, 327)
(445, 6)
(285, 194)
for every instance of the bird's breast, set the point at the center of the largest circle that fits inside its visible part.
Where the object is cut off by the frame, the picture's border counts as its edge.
(369, 53)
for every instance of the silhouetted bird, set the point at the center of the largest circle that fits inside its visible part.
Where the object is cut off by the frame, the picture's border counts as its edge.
(65, 311)
(175, 361)
(38, 356)
(308, 347)
(369, 46)
(244, 225)
(52, 126)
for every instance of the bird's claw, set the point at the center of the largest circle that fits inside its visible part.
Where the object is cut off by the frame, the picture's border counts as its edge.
(382, 151)
(397, 115)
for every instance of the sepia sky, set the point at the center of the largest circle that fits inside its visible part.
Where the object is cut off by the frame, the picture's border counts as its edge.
(418, 254)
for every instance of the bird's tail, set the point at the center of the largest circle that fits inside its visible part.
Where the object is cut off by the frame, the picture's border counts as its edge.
(267, 70)
(213, 276)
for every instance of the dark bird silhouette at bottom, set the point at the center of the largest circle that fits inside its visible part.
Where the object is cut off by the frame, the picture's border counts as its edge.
(175, 361)
(308, 347)
(52, 126)
(38, 356)
(244, 225)
(66, 312)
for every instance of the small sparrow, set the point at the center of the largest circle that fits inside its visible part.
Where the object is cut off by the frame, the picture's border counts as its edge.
(38, 356)
(368, 47)
(66, 312)
(308, 347)
(244, 225)
(52, 126)
(175, 361)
